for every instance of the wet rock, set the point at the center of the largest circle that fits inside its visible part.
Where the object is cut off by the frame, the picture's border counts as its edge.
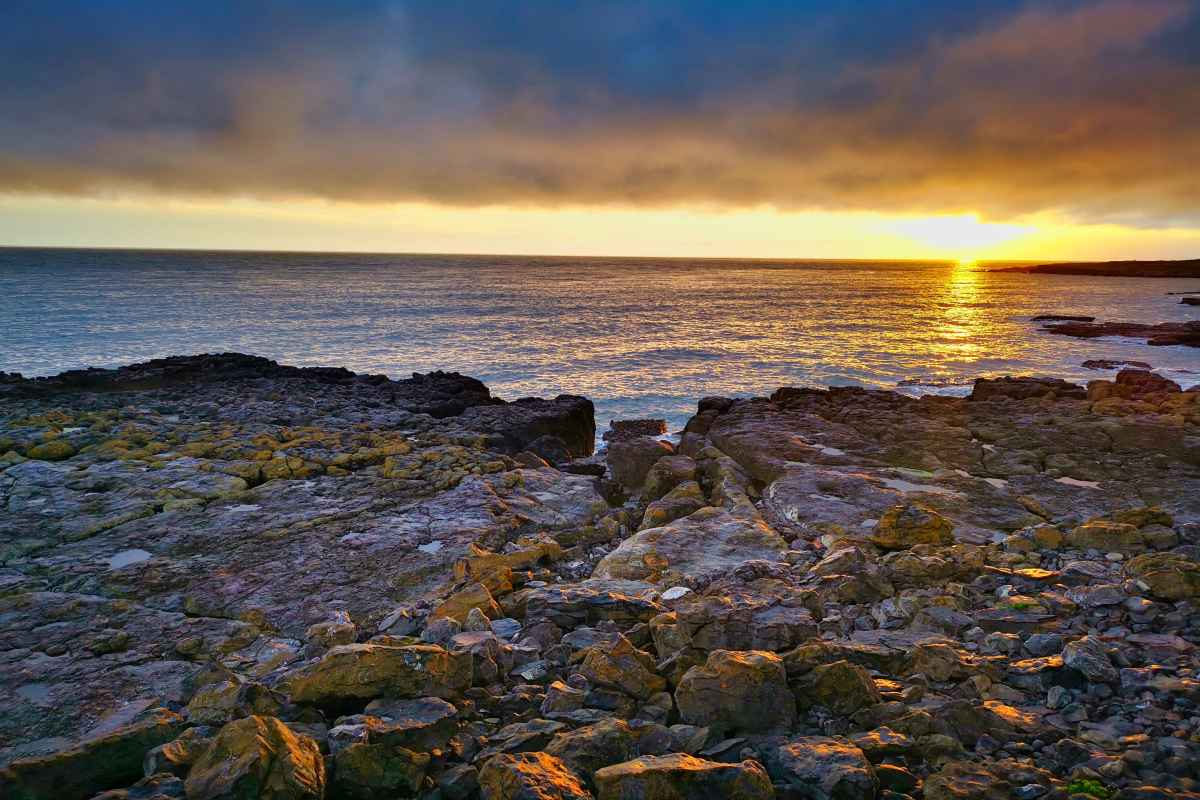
(626, 429)
(679, 775)
(737, 690)
(258, 757)
(530, 776)
(1008, 388)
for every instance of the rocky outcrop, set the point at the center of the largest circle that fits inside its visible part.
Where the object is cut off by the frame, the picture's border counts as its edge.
(226, 578)
(258, 757)
(737, 691)
(1163, 334)
(680, 775)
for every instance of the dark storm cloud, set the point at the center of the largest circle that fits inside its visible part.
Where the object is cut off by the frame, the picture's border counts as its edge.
(1089, 107)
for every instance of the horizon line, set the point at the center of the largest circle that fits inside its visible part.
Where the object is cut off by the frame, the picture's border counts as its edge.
(772, 259)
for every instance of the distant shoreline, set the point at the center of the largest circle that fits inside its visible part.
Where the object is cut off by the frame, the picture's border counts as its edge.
(1125, 269)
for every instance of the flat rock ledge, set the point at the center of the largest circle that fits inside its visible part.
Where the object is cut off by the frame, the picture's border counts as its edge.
(221, 577)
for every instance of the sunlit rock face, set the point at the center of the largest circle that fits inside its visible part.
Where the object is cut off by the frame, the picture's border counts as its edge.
(227, 578)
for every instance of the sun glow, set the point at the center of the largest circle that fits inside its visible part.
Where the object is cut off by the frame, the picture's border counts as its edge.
(960, 237)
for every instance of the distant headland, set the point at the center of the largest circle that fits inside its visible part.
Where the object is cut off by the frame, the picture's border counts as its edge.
(1189, 268)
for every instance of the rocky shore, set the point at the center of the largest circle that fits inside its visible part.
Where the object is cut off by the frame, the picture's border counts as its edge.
(226, 578)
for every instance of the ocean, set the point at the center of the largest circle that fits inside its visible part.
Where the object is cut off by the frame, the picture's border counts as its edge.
(640, 337)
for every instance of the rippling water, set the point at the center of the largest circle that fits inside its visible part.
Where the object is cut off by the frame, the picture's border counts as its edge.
(643, 337)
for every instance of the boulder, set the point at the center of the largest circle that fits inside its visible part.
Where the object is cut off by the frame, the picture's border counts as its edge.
(823, 769)
(667, 473)
(356, 673)
(630, 460)
(1089, 657)
(682, 777)
(626, 429)
(177, 756)
(530, 776)
(364, 771)
(219, 703)
(105, 762)
(737, 691)
(903, 526)
(731, 620)
(623, 667)
(963, 780)
(473, 596)
(1169, 576)
(686, 498)
(1025, 388)
(1106, 536)
(592, 747)
(842, 687)
(426, 723)
(706, 544)
(258, 757)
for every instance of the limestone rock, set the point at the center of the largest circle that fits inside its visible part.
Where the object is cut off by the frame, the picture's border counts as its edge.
(1089, 657)
(474, 596)
(530, 776)
(842, 687)
(904, 526)
(378, 772)
(108, 761)
(732, 620)
(423, 724)
(708, 543)
(1106, 536)
(630, 460)
(1170, 576)
(963, 780)
(623, 667)
(359, 672)
(667, 473)
(824, 769)
(686, 498)
(679, 776)
(258, 757)
(592, 747)
(737, 691)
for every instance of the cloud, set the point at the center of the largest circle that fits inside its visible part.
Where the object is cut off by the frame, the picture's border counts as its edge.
(1089, 109)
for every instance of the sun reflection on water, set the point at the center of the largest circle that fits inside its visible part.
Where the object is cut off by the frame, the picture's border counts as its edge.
(962, 324)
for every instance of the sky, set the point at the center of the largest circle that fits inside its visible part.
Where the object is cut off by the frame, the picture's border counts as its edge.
(855, 128)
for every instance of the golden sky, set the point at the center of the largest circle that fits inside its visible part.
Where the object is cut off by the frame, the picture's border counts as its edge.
(1000, 129)
(759, 232)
